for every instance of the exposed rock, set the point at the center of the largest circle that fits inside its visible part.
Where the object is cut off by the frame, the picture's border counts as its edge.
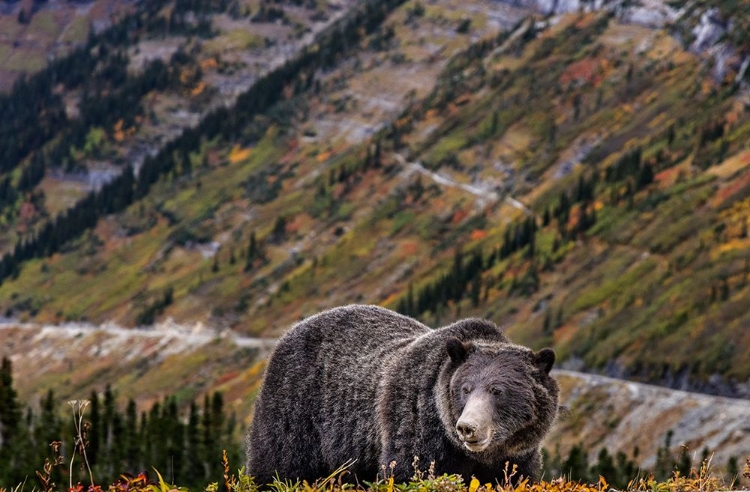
(708, 31)
(655, 14)
(649, 13)
(620, 415)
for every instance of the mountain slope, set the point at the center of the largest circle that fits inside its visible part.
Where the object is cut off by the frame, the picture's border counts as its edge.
(580, 179)
(31, 33)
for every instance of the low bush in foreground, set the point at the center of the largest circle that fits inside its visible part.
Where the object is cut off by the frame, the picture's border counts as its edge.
(701, 480)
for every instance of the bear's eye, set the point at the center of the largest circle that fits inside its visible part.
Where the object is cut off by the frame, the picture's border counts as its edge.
(466, 389)
(494, 390)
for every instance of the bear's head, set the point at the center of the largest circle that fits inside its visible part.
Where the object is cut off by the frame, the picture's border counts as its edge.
(502, 397)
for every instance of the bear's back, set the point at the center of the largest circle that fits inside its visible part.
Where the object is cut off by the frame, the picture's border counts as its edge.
(316, 408)
(354, 328)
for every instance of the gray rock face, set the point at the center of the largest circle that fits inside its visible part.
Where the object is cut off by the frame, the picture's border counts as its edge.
(649, 13)
(621, 415)
(708, 31)
(551, 7)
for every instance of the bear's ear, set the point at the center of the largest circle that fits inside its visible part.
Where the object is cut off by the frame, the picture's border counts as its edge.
(458, 350)
(545, 359)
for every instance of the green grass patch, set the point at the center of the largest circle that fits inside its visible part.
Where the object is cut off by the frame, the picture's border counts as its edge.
(234, 40)
(597, 294)
(402, 220)
(44, 21)
(76, 31)
(25, 60)
(5, 52)
(446, 149)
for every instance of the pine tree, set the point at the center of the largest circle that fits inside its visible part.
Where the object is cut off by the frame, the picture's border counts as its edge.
(254, 252)
(106, 437)
(132, 449)
(410, 308)
(96, 432)
(604, 467)
(10, 412)
(10, 420)
(733, 469)
(208, 443)
(547, 326)
(218, 418)
(279, 229)
(476, 287)
(156, 436)
(684, 463)
(626, 470)
(664, 461)
(193, 469)
(576, 466)
(47, 430)
(174, 436)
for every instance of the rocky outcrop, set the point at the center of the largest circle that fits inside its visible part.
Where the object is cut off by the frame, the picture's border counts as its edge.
(622, 415)
(709, 33)
(650, 13)
(708, 29)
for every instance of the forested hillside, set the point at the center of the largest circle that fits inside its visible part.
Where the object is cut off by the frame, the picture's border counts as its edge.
(33, 32)
(580, 178)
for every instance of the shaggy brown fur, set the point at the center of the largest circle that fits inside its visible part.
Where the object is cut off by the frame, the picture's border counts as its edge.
(367, 384)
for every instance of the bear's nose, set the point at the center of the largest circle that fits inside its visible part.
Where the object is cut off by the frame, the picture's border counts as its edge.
(466, 430)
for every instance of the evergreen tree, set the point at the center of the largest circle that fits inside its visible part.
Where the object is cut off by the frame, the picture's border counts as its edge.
(604, 467)
(131, 444)
(476, 287)
(47, 430)
(95, 435)
(547, 326)
(576, 465)
(733, 469)
(10, 420)
(410, 308)
(664, 461)
(193, 467)
(683, 463)
(156, 434)
(546, 217)
(626, 470)
(254, 252)
(218, 419)
(279, 229)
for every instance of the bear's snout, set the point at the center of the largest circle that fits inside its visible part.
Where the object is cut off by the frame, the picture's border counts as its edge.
(466, 430)
(474, 426)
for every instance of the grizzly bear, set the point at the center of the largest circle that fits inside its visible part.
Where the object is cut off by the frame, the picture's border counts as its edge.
(365, 386)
